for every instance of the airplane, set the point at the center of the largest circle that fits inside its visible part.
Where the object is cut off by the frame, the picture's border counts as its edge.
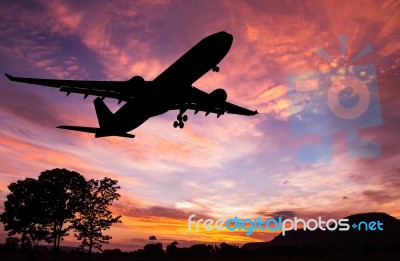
(171, 90)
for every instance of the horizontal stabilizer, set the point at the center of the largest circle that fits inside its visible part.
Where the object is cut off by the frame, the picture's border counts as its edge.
(80, 128)
(98, 131)
(121, 134)
(10, 77)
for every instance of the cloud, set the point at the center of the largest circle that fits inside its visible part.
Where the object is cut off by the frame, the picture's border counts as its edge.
(379, 196)
(285, 214)
(153, 212)
(218, 167)
(45, 114)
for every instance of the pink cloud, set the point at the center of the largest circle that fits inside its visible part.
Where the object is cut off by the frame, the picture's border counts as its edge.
(225, 166)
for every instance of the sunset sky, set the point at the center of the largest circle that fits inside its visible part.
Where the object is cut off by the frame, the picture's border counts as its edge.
(219, 168)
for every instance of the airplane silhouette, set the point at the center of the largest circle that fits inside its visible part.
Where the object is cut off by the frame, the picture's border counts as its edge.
(171, 90)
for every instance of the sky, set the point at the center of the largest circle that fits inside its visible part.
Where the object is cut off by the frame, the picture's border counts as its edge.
(219, 168)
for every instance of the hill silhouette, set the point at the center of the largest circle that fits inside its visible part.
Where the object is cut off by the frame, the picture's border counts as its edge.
(352, 240)
(295, 245)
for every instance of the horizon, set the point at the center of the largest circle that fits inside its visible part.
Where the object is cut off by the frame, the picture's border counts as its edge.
(217, 168)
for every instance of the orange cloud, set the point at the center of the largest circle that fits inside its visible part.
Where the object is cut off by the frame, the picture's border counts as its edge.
(230, 165)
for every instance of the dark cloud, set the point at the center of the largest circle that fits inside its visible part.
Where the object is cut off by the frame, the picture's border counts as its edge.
(306, 213)
(379, 196)
(283, 213)
(27, 105)
(158, 212)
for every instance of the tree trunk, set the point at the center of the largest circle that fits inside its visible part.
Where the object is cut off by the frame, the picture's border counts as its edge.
(90, 244)
(23, 238)
(59, 235)
(55, 243)
(90, 252)
(54, 237)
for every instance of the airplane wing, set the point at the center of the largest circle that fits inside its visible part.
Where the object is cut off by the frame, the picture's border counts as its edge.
(110, 89)
(202, 101)
(219, 110)
(234, 109)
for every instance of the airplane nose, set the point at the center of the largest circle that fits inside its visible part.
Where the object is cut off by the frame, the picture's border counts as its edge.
(227, 38)
(226, 35)
(221, 41)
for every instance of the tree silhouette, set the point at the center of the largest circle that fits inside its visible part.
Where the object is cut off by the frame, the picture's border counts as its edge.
(61, 196)
(23, 213)
(154, 250)
(11, 244)
(59, 200)
(152, 238)
(172, 249)
(95, 215)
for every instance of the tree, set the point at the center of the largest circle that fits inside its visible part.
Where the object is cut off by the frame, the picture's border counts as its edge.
(152, 238)
(172, 249)
(23, 213)
(95, 216)
(62, 193)
(11, 244)
(154, 250)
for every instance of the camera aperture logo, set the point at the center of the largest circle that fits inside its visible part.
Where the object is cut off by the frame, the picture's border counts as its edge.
(337, 99)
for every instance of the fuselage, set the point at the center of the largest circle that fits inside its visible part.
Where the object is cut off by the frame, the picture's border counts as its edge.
(158, 97)
(172, 90)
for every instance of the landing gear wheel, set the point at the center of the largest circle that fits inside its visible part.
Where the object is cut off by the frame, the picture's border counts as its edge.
(179, 117)
(176, 124)
(185, 118)
(181, 125)
(215, 69)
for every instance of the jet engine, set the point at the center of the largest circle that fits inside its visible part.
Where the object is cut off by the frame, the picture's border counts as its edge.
(137, 81)
(219, 96)
(135, 86)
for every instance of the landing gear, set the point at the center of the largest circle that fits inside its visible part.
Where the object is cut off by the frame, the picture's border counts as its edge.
(181, 119)
(215, 69)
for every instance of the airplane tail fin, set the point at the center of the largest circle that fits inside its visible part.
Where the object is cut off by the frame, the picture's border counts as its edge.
(104, 115)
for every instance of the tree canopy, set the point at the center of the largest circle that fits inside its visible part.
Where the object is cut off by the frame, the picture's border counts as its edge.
(47, 208)
(62, 195)
(23, 212)
(96, 216)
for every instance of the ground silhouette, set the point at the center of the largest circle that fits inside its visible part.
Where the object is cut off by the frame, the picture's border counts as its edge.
(296, 245)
